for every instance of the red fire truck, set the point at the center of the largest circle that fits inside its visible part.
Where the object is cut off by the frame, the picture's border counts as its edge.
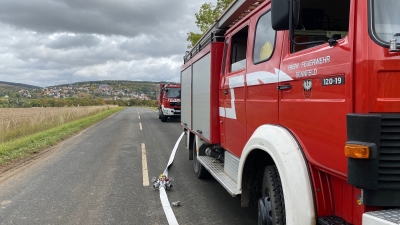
(169, 101)
(295, 106)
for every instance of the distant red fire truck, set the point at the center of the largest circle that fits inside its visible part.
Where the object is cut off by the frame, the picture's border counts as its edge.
(169, 101)
(295, 106)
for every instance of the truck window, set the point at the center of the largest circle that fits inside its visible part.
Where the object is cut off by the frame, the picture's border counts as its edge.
(238, 50)
(224, 57)
(264, 42)
(385, 21)
(321, 20)
(173, 92)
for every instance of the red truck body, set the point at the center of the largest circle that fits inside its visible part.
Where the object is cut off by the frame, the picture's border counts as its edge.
(169, 101)
(264, 102)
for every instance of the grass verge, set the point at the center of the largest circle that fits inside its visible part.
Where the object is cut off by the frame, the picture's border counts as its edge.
(23, 147)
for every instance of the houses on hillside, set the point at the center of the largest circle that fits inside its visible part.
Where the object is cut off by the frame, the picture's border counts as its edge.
(104, 91)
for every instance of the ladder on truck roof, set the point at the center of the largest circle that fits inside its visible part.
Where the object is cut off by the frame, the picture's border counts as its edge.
(232, 14)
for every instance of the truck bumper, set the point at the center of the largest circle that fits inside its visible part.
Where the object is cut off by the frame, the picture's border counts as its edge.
(170, 112)
(383, 217)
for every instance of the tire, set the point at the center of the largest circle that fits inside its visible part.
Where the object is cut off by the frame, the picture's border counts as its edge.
(199, 169)
(163, 118)
(271, 206)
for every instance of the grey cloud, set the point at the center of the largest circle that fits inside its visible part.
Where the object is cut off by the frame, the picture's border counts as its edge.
(153, 46)
(121, 17)
(68, 41)
(48, 42)
(69, 51)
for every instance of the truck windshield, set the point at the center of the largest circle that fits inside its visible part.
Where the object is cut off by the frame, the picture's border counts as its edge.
(385, 21)
(174, 93)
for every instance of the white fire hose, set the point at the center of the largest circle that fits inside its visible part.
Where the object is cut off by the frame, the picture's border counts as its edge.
(163, 183)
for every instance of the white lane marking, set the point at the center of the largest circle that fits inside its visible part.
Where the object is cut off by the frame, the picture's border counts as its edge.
(144, 167)
(140, 125)
(139, 117)
(5, 202)
(167, 207)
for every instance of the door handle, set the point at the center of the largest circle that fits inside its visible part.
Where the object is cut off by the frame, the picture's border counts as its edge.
(225, 92)
(285, 87)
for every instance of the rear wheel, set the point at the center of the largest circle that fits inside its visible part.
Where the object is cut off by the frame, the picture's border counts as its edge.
(271, 207)
(199, 169)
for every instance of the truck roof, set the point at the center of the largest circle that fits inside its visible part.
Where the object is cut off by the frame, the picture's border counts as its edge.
(237, 10)
(172, 85)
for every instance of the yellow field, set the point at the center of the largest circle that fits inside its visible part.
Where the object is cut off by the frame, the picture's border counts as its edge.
(19, 122)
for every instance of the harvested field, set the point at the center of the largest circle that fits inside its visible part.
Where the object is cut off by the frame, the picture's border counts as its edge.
(19, 122)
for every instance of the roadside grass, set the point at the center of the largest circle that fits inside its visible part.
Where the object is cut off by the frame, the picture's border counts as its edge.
(19, 148)
(16, 123)
(153, 108)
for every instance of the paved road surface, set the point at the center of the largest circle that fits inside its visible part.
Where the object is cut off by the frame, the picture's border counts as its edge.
(96, 177)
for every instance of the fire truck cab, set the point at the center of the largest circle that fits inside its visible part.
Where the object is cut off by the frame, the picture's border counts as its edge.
(169, 101)
(295, 106)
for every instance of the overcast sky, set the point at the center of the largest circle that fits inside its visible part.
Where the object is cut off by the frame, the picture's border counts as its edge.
(51, 42)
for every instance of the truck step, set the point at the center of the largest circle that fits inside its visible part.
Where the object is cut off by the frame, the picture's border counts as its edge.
(332, 220)
(383, 217)
(216, 169)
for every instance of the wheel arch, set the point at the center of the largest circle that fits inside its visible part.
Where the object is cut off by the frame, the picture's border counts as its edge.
(275, 145)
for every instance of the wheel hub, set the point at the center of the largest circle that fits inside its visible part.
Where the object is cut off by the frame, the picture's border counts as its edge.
(265, 210)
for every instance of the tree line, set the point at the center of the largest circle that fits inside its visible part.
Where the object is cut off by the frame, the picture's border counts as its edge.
(207, 15)
(71, 102)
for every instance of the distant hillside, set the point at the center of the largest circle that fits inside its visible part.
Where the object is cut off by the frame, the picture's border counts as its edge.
(12, 89)
(5, 84)
(13, 95)
(106, 89)
(145, 87)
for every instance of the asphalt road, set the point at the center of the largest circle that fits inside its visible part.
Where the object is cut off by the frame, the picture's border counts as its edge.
(97, 177)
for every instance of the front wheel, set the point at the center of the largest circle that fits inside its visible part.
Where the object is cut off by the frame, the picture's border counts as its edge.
(271, 206)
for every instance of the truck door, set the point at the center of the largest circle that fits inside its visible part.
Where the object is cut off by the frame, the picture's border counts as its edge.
(233, 107)
(262, 72)
(314, 102)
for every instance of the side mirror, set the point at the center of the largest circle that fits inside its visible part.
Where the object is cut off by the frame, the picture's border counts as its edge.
(281, 13)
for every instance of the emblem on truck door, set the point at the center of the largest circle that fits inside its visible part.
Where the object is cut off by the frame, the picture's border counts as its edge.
(307, 88)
